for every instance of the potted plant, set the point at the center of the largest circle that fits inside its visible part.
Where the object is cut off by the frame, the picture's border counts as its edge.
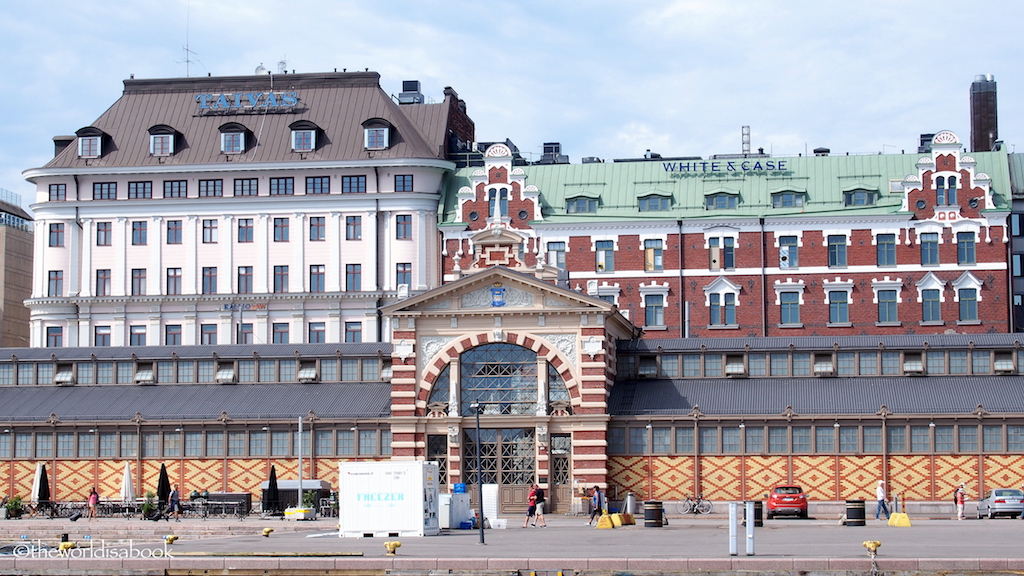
(14, 507)
(149, 505)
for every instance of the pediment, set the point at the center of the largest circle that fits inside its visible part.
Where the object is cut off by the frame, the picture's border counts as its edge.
(499, 290)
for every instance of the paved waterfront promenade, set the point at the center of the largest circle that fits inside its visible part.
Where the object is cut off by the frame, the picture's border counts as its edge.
(685, 545)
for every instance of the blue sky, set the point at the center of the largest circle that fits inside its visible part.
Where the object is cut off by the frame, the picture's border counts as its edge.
(606, 78)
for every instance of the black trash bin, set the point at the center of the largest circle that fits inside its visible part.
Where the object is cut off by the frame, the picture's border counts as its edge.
(758, 513)
(855, 513)
(63, 537)
(654, 514)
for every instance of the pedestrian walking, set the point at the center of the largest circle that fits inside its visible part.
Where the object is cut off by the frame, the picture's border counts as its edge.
(883, 500)
(94, 500)
(532, 509)
(541, 502)
(174, 504)
(597, 504)
(960, 496)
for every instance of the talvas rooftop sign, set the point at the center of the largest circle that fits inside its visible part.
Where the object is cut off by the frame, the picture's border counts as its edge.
(247, 101)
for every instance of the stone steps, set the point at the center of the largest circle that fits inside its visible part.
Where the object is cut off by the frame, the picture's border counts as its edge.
(122, 530)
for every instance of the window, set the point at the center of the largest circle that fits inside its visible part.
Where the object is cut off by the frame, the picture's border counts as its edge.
(175, 188)
(245, 229)
(140, 190)
(654, 306)
(720, 202)
(859, 198)
(868, 363)
(653, 255)
(54, 337)
(403, 183)
(992, 438)
(104, 191)
(655, 204)
(280, 330)
(208, 334)
(281, 230)
(281, 279)
(581, 205)
(209, 231)
(173, 281)
(965, 248)
(138, 281)
(103, 282)
(245, 279)
(316, 278)
(886, 249)
(887, 306)
(282, 186)
(958, 362)
(353, 331)
(722, 253)
(174, 231)
(930, 306)
(968, 438)
(139, 233)
(789, 252)
(55, 285)
(247, 187)
(172, 335)
(837, 251)
(89, 146)
(556, 254)
(849, 438)
(605, 255)
(968, 304)
(403, 274)
(317, 332)
(209, 280)
(245, 333)
(929, 249)
(303, 140)
(353, 184)
(56, 235)
(846, 364)
(1017, 265)
(945, 191)
(101, 336)
(497, 200)
(723, 309)
(353, 227)
(137, 336)
(787, 200)
(317, 226)
(58, 192)
(216, 187)
(376, 138)
(353, 277)
(981, 362)
(789, 303)
(161, 144)
(403, 227)
(232, 142)
(104, 233)
(318, 185)
(838, 302)
(824, 439)
(891, 364)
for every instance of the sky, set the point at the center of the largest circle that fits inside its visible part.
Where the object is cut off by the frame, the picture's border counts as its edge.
(606, 78)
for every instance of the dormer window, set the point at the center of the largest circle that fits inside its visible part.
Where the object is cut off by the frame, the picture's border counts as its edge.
(859, 198)
(303, 136)
(233, 138)
(89, 147)
(720, 201)
(655, 204)
(581, 205)
(788, 200)
(376, 134)
(162, 140)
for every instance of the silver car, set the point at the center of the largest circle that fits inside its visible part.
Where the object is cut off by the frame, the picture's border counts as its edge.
(1001, 502)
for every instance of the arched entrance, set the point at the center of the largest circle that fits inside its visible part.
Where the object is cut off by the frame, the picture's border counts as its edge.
(516, 390)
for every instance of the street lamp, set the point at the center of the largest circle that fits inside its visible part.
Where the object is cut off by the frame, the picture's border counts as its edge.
(650, 461)
(477, 409)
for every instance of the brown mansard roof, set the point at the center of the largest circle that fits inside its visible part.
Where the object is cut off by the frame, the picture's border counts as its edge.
(338, 103)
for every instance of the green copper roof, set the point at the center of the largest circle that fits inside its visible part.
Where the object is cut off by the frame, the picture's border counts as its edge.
(752, 181)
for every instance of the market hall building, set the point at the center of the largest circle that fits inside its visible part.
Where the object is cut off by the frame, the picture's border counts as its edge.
(665, 326)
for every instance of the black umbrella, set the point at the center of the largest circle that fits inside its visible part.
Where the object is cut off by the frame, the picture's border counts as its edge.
(163, 488)
(44, 487)
(272, 497)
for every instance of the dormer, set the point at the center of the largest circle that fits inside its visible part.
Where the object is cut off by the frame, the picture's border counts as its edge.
(377, 134)
(92, 142)
(163, 140)
(305, 136)
(235, 138)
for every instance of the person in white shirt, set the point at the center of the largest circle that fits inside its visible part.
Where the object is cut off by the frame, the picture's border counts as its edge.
(883, 505)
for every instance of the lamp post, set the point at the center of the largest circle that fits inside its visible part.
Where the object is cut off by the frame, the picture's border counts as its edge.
(477, 408)
(650, 461)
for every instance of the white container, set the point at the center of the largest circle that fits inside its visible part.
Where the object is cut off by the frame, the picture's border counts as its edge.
(388, 499)
(299, 514)
(453, 510)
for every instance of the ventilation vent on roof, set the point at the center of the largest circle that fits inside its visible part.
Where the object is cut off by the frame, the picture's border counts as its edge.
(411, 93)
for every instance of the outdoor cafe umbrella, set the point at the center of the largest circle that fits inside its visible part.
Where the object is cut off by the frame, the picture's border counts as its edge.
(127, 485)
(272, 497)
(44, 487)
(163, 487)
(37, 482)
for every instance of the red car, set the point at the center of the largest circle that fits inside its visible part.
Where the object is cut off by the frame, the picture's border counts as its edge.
(789, 500)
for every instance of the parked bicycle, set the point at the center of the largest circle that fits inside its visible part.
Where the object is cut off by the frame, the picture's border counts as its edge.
(694, 505)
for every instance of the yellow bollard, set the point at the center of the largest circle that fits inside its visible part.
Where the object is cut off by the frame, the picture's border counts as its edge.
(391, 546)
(267, 531)
(170, 538)
(605, 522)
(900, 520)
